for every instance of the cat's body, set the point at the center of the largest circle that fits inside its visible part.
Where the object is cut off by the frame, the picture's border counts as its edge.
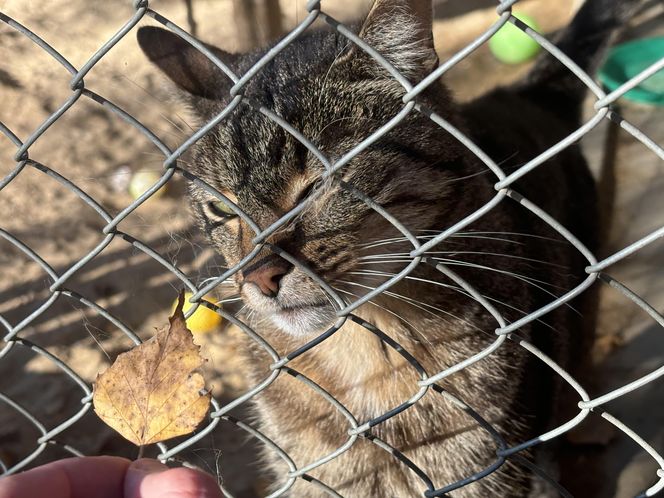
(337, 96)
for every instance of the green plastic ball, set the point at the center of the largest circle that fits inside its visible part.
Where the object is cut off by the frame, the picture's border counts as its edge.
(511, 45)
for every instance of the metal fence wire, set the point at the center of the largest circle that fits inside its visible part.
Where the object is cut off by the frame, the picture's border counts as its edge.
(595, 270)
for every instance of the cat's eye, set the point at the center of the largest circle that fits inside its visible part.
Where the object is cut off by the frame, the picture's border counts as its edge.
(306, 191)
(220, 209)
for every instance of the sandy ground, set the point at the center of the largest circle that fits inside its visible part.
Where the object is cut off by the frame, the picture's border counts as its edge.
(89, 145)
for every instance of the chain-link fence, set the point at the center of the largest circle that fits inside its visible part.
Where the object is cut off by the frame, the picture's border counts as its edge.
(15, 337)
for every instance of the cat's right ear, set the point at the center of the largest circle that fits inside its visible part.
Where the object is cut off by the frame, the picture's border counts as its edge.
(184, 65)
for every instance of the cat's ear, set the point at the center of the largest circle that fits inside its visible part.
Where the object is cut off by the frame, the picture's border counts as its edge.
(187, 67)
(401, 31)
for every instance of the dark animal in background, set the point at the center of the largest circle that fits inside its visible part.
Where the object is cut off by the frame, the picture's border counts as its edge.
(337, 95)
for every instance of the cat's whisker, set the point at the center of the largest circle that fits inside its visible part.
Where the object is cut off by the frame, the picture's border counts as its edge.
(479, 253)
(234, 299)
(418, 230)
(380, 261)
(421, 304)
(529, 280)
(415, 329)
(393, 240)
(478, 173)
(329, 300)
(487, 236)
(377, 305)
(459, 235)
(223, 282)
(384, 255)
(511, 256)
(462, 178)
(375, 273)
(416, 303)
(493, 232)
(398, 240)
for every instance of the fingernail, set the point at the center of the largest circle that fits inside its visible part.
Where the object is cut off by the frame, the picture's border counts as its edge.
(147, 466)
(137, 471)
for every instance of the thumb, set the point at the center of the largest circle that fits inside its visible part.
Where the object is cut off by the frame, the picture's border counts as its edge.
(148, 478)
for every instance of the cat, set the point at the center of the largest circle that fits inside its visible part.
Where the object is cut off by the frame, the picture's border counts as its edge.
(336, 95)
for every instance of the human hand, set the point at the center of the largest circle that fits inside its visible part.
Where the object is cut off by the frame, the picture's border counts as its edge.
(109, 477)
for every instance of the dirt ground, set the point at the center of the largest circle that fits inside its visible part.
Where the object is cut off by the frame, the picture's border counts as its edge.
(93, 149)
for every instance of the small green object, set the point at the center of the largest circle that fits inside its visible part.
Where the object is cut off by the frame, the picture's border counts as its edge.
(511, 45)
(628, 60)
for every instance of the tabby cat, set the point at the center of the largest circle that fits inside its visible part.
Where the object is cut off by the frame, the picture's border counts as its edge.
(336, 95)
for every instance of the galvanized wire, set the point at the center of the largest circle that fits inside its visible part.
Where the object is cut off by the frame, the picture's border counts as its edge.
(428, 381)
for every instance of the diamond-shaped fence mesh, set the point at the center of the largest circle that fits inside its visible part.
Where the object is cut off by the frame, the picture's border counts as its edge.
(110, 232)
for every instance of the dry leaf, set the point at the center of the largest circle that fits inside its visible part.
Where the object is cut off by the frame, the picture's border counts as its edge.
(151, 393)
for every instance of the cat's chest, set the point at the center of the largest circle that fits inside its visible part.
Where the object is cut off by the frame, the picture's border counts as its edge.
(356, 366)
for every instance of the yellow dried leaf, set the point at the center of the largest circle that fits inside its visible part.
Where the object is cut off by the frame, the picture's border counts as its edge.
(152, 393)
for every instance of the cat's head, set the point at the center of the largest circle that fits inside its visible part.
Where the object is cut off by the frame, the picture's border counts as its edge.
(336, 95)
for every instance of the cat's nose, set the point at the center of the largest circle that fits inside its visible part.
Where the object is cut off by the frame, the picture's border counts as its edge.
(267, 274)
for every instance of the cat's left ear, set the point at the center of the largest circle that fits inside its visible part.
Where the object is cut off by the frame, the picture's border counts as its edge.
(401, 31)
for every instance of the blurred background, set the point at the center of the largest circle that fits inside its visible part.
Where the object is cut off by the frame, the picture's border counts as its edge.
(99, 153)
